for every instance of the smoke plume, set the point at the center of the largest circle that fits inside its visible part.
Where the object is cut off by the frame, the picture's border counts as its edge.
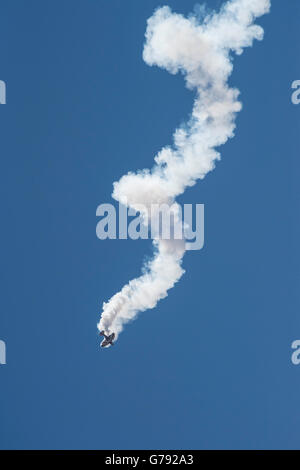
(201, 49)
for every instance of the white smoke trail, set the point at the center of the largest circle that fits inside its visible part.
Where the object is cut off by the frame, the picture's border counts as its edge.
(201, 51)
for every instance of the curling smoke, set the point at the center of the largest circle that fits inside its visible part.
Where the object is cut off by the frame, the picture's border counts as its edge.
(201, 51)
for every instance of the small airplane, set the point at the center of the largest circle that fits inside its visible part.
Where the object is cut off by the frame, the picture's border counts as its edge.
(108, 339)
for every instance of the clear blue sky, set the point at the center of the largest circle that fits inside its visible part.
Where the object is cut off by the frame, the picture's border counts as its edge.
(208, 368)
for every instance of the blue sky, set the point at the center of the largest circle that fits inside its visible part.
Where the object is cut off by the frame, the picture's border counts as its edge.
(210, 367)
